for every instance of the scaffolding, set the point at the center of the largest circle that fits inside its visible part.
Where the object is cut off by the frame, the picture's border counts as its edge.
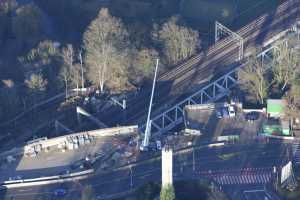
(221, 30)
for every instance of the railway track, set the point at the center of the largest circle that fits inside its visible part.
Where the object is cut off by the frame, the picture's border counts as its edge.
(244, 32)
(223, 52)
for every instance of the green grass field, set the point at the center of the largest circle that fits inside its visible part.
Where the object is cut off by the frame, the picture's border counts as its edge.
(234, 13)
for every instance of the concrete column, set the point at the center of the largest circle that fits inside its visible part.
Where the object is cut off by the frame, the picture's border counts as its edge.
(167, 166)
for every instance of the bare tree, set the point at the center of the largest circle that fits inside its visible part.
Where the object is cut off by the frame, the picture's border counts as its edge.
(105, 42)
(68, 62)
(179, 42)
(285, 65)
(75, 76)
(292, 98)
(252, 79)
(82, 71)
(42, 55)
(143, 64)
(36, 85)
(43, 59)
(68, 55)
(64, 75)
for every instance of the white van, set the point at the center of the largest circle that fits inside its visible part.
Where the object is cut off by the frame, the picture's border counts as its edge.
(231, 111)
(158, 144)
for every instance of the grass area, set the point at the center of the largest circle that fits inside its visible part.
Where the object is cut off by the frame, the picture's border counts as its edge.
(235, 13)
(228, 156)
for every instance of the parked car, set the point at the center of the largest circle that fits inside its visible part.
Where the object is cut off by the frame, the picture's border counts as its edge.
(15, 178)
(252, 116)
(151, 146)
(234, 100)
(219, 113)
(231, 111)
(60, 192)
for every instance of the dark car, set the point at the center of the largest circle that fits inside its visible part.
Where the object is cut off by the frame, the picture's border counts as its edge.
(152, 146)
(219, 113)
(252, 116)
(60, 192)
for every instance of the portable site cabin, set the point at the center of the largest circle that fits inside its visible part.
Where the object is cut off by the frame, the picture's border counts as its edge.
(281, 129)
(277, 123)
(275, 107)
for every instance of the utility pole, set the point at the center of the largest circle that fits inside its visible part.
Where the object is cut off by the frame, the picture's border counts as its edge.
(221, 29)
(167, 166)
(193, 160)
(148, 124)
(131, 181)
(66, 82)
(81, 68)
(121, 104)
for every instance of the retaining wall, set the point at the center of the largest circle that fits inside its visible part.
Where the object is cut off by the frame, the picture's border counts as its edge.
(45, 143)
(48, 179)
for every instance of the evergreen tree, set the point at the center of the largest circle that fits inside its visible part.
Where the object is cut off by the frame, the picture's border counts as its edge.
(167, 193)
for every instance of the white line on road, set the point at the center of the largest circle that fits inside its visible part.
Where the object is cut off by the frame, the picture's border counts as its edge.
(25, 190)
(259, 190)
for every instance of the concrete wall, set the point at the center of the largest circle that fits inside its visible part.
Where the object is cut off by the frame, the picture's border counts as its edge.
(48, 179)
(167, 167)
(263, 110)
(208, 106)
(45, 143)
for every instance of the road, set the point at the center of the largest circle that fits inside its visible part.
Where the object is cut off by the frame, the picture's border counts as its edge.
(206, 164)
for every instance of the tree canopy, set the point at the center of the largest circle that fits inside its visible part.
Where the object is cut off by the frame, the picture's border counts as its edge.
(26, 25)
(252, 79)
(285, 64)
(167, 193)
(36, 86)
(87, 193)
(105, 45)
(179, 42)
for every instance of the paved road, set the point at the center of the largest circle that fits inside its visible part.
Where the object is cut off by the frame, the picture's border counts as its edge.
(207, 164)
(251, 192)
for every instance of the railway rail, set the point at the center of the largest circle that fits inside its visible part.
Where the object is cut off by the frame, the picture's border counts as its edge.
(223, 52)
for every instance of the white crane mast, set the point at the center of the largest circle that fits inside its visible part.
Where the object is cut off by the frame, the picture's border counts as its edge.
(145, 143)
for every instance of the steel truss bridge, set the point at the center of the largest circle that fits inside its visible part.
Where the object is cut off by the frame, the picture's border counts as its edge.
(214, 91)
(210, 93)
